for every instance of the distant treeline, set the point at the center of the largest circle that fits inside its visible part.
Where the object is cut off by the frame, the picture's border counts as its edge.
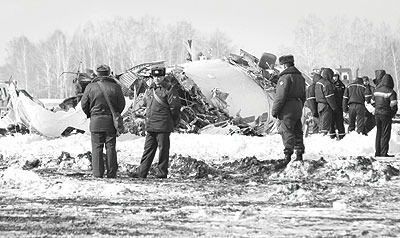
(120, 43)
(358, 44)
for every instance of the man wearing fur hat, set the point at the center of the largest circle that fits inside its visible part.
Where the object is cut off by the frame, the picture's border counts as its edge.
(162, 116)
(102, 128)
(288, 108)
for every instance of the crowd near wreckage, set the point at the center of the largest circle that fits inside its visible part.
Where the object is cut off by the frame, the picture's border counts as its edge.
(233, 95)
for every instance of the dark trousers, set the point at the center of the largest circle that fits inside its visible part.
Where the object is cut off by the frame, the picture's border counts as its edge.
(383, 130)
(325, 118)
(337, 124)
(291, 131)
(369, 122)
(357, 115)
(99, 139)
(153, 141)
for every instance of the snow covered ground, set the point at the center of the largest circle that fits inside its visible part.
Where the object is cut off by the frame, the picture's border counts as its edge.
(339, 190)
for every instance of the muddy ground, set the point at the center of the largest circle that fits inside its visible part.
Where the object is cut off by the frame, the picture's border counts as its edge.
(340, 197)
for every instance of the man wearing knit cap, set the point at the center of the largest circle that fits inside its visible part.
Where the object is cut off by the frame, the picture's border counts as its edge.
(101, 126)
(288, 108)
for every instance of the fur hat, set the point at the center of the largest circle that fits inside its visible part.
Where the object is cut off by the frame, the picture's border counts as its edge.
(286, 59)
(103, 70)
(158, 71)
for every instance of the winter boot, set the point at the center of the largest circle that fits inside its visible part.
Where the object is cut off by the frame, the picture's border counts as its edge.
(299, 157)
(282, 163)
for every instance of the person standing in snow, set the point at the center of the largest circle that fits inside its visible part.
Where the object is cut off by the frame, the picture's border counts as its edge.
(162, 116)
(385, 101)
(288, 108)
(354, 104)
(369, 117)
(325, 97)
(101, 126)
(337, 116)
(312, 103)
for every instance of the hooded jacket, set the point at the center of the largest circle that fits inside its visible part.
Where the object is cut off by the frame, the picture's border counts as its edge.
(339, 89)
(310, 95)
(95, 106)
(385, 98)
(290, 94)
(324, 91)
(369, 89)
(165, 115)
(378, 76)
(354, 93)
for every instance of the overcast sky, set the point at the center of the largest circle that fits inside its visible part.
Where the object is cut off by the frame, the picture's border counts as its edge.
(254, 25)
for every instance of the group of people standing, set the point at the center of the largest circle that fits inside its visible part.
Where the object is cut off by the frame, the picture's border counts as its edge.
(366, 106)
(327, 97)
(329, 101)
(103, 95)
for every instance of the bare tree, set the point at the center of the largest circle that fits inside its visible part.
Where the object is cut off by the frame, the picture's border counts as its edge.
(309, 41)
(21, 53)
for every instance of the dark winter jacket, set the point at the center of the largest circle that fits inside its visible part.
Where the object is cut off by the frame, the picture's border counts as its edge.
(95, 106)
(310, 95)
(354, 93)
(290, 94)
(385, 98)
(162, 116)
(339, 89)
(324, 90)
(378, 76)
(369, 91)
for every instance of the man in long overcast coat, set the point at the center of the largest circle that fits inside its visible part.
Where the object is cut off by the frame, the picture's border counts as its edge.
(288, 108)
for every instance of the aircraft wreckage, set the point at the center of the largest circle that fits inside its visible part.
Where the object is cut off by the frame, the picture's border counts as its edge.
(233, 95)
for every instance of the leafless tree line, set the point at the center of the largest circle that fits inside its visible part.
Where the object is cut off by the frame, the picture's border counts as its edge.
(358, 44)
(120, 43)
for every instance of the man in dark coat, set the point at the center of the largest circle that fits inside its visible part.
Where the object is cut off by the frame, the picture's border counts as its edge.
(288, 108)
(379, 73)
(385, 100)
(312, 103)
(337, 117)
(101, 126)
(162, 116)
(354, 104)
(369, 117)
(325, 97)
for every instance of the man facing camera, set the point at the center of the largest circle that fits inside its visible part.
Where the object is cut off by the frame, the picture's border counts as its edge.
(162, 116)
